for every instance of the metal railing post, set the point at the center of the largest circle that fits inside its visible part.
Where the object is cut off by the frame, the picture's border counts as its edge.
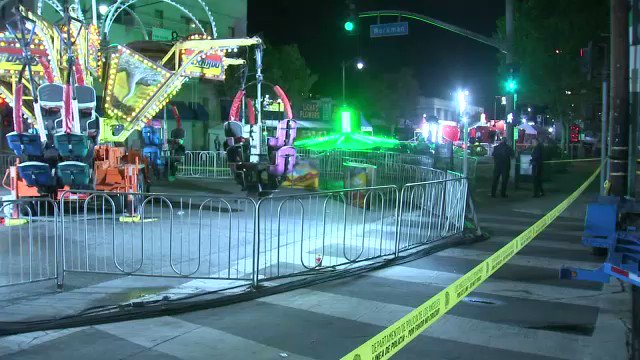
(59, 243)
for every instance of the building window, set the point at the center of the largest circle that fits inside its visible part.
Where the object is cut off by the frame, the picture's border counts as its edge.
(159, 15)
(186, 20)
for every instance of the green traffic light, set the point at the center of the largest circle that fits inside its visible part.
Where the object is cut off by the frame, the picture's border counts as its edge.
(349, 26)
(512, 85)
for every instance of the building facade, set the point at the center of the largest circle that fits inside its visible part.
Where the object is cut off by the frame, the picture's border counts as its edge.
(442, 109)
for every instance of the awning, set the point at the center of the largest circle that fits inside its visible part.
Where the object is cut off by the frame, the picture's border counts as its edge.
(528, 129)
(364, 124)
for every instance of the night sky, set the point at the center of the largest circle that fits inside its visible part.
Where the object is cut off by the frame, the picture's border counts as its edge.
(441, 60)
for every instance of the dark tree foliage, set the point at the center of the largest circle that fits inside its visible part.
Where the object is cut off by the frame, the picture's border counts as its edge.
(548, 37)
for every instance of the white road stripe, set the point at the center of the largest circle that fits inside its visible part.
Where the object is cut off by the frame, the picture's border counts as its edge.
(188, 341)
(510, 288)
(14, 343)
(540, 241)
(449, 327)
(611, 330)
(527, 217)
(537, 261)
(518, 228)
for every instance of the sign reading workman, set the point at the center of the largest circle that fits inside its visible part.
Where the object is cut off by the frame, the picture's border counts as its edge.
(390, 29)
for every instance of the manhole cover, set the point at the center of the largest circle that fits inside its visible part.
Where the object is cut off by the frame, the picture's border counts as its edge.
(481, 301)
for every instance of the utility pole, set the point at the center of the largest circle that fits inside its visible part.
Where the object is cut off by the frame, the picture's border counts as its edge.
(621, 131)
(604, 165)
(619, 97)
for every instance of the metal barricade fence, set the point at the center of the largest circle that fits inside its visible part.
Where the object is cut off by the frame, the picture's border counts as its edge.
(227, 238)
(205, 164)
(392, 168)
(431, 211)
(298, 233)
(159, 235)
(29, 247)
(458, 164)
(6, 160)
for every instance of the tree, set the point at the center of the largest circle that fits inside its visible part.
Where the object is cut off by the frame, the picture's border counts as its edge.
(389, 97)
(285, 66)
(548, 37)
(282, 65)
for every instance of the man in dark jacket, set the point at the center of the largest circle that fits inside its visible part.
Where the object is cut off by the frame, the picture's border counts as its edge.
(536, 165)
(502, 155)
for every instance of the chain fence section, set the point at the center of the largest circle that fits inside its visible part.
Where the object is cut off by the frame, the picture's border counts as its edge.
(391, 168)
(225, 238)
(159, 235)
(431, 211)
(204, 164)
(298, 233)
(6, 161)
(28, 241)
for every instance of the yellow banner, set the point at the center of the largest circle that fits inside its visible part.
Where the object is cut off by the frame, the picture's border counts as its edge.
(395, 337)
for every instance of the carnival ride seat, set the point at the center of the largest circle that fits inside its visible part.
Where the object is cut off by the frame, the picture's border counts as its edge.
(152, 152)
(36, 174)
(50, 102)
(232, 129)
(236, 159)
(285, 159)
(25, 144)
(86, 97)
(285, 134)
(233, 134)
(151, 136)
(74, 173)
(72, 145)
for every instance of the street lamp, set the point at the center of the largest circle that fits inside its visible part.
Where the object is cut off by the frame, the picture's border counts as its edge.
(103, 9)
(462, 96)
(359, 65)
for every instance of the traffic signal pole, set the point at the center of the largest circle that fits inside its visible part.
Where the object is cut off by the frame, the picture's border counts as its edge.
(510, 107)
(619, 97)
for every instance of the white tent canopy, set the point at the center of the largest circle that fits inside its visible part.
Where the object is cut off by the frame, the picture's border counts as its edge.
(528, 129)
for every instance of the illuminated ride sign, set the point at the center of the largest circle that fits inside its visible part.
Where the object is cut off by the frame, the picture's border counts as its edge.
(211, 66)
(132, 80)
(11, 56)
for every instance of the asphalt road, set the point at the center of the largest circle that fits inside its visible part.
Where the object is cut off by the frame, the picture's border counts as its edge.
(524, 311)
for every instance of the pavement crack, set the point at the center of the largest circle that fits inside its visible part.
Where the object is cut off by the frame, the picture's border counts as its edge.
(587, 296)
(628, 334)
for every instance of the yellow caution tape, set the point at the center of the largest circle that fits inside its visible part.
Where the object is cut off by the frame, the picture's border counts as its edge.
(395, 337)
(135, 219)
(15, 222)
(570, 160)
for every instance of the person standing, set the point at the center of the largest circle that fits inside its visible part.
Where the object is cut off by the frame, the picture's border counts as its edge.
(536, 168)
(216, 143)
(502, 155)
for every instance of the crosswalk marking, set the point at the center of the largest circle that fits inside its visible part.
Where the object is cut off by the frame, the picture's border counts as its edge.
(185, 340)
(500, 219)
(449, 327)
(491, 286)
(537, 261)
(540, 241)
